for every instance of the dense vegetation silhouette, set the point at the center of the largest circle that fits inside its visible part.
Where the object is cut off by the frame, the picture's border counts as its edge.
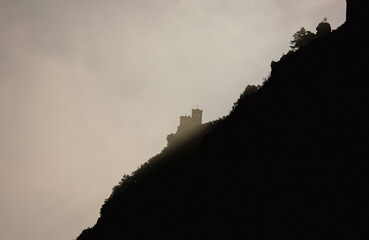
(290, 161)
(303, 37)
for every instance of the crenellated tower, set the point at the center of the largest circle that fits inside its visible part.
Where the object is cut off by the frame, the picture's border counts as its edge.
(197, 116)
(190, 121)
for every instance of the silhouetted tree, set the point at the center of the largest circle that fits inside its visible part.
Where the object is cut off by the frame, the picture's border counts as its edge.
(249, 90)
(301, 38)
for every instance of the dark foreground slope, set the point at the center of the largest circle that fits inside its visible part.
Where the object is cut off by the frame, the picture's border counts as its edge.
(291, 161)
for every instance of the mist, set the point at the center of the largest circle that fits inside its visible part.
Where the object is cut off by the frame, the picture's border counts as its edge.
(89, 90)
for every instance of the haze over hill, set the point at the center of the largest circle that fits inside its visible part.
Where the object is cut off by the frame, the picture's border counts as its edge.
(290, 161)
(89, 90)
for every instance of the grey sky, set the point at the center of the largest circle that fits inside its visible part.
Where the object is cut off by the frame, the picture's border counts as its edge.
(89, 90)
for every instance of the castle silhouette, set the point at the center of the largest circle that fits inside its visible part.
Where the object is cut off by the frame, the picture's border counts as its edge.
(186, 123)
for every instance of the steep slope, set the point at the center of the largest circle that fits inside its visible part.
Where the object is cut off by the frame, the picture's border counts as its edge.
(290, 161)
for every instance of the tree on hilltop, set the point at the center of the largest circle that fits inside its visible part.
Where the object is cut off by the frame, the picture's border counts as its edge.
(301, 38)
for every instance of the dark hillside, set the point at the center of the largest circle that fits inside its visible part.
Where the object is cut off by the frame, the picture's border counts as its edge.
(291, 160)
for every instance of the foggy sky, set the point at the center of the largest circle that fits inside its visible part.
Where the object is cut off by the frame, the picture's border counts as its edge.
(90, 89)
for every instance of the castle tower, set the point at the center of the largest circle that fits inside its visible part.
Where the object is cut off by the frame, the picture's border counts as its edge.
(190, 121)
(197, 116)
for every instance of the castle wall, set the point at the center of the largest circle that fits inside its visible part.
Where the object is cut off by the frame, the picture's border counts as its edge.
(190, 121)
